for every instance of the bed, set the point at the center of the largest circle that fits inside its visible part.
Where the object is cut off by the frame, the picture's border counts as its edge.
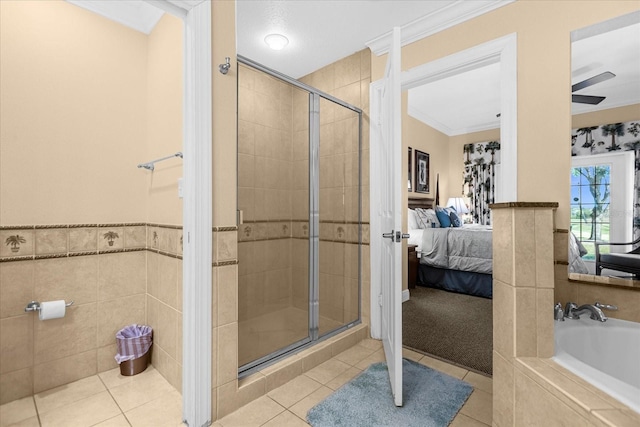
(457, 259)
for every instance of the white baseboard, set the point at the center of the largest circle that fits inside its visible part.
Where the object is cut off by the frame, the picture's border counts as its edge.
(405, 295)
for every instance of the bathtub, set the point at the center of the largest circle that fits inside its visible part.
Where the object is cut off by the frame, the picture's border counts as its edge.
(606, 354)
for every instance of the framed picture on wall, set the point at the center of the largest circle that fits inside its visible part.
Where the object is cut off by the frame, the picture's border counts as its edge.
(409, 186)
(422, 172)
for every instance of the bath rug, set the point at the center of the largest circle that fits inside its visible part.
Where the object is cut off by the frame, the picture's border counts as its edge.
(431, 399)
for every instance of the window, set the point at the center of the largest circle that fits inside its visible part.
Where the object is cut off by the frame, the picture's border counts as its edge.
(602, 199)
(590, 203)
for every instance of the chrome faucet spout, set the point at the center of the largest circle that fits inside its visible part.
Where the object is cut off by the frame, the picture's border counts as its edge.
(595, 312)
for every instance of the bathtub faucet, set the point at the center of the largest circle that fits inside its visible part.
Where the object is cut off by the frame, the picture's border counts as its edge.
(572, 311)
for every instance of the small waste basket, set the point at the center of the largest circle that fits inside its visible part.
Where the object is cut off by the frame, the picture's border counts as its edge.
(134, 348)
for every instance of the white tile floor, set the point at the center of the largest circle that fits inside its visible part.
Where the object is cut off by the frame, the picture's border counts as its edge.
(148, 400)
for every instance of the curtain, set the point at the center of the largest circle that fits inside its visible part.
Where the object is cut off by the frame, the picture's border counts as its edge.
(479, 178)
(482, 192)
(623, 136)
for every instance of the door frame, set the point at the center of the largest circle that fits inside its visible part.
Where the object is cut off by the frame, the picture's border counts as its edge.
(197, 205)
(502, 50)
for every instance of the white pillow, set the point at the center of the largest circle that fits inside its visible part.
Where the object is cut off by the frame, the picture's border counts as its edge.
(427, 218)
(412, 220)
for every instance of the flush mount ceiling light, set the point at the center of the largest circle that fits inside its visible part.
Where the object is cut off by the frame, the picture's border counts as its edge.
(276, 41)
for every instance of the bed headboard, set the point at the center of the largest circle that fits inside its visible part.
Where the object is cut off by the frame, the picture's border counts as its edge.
(424, 203)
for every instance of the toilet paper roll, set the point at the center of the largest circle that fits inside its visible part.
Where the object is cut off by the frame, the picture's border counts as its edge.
(52, 309)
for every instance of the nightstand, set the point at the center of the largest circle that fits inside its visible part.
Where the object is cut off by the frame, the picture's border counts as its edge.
(412, 261)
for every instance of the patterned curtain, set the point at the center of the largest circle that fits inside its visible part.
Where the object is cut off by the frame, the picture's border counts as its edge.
(480, 178)
(607, 138)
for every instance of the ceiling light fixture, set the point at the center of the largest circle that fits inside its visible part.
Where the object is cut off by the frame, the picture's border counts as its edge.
(276, 41)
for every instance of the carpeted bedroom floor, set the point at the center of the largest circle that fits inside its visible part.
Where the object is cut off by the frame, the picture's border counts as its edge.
(454, 327)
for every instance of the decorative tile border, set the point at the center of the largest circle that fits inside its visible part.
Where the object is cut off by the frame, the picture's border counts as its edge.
(31, 242)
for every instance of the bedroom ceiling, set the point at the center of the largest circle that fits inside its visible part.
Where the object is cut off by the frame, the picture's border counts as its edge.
(321, 32)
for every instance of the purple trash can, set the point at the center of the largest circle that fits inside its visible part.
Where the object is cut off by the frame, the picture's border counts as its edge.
(134, 348)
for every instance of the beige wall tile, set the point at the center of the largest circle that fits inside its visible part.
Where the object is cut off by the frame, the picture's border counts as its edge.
(152, 270)
(227, 354)
(110, 238)
(534, 404)
(167, 367)
(115, 314)
(227, 294)
(628, 301)
(227, 401)
(52, 241)
(75, 333)
(169, 239)
(227, 246)
(16, 343)
(16, 287)
(503, 391)
(561, 246)
(70, 279)
(167, 288)
(545, 323)
(563, 291)
(347, 70)
(106, 357)
(282, 372)
(618, 418)
(503, 319)
(63, 371)
(524, 247)
(16, 385)
(165, 334)
(544, 248)
(503, 254)
(21, 243)
(121, 274)
(135, 236)
(83, 239)
(525, 315)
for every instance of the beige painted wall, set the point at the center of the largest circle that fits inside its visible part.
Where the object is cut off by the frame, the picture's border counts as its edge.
(164, 120)
(612, 115)
(72, 128)
(544, 81)
(83, 101)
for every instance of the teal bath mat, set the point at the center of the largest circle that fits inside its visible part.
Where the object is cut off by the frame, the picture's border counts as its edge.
(431, 399)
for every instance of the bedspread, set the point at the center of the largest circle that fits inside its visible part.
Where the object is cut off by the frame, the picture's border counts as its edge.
(458, 248)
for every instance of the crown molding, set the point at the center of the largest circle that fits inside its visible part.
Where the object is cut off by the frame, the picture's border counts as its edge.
(447, 17)
(447, 130)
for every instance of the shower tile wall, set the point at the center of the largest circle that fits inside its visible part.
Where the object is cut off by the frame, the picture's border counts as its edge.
(111, 286)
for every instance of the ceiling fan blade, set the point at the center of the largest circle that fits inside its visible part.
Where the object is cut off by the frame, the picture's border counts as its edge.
(593, 80)
(587, 99)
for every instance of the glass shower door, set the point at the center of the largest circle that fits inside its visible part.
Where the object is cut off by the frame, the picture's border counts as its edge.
(339, 213)
(273, 198)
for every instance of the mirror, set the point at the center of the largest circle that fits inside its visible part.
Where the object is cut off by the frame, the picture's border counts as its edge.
(605, 147)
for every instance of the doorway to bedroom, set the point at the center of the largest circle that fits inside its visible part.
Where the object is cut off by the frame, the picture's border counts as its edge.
(459, 119)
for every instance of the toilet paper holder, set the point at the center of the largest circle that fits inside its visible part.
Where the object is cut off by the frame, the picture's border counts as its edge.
(35, 305)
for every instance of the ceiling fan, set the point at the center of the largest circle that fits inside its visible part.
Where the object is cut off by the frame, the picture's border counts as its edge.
(589, 99)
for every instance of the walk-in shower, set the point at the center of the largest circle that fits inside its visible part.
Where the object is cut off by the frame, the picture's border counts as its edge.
(299, 207)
